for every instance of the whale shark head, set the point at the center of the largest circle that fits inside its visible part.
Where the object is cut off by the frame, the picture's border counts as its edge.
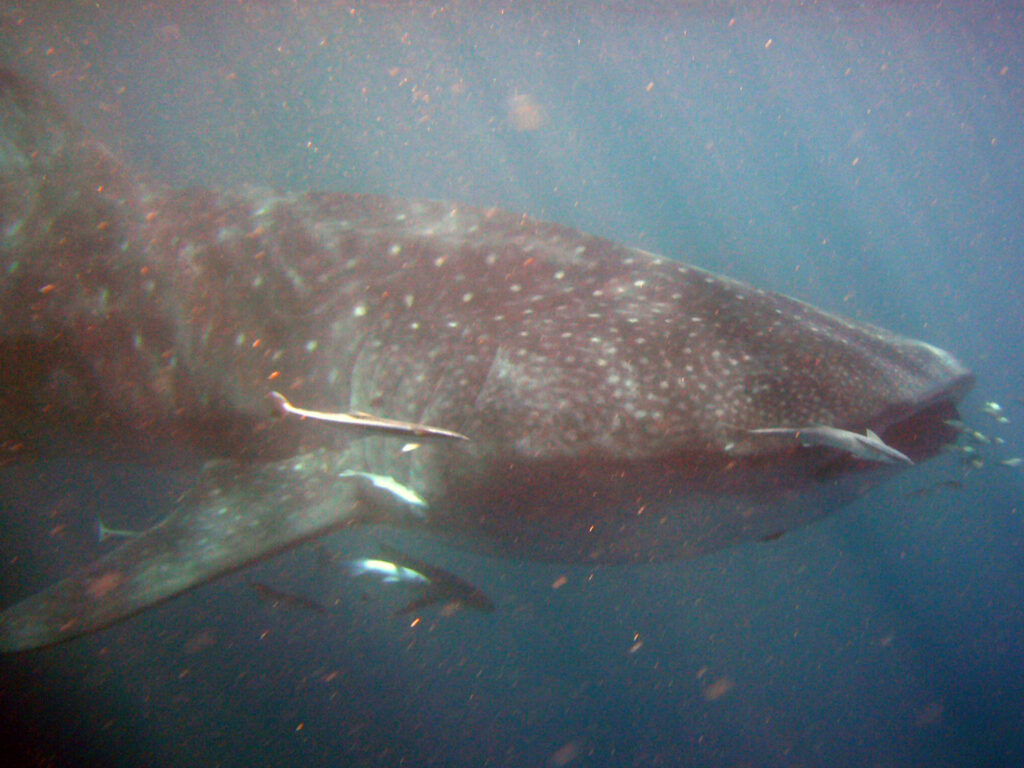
(609, 393)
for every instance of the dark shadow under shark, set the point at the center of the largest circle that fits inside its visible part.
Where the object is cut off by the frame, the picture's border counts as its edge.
(608, 395)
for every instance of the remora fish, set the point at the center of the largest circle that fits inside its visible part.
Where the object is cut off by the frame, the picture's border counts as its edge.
(601, 387)
(868, 446)
(435, 585)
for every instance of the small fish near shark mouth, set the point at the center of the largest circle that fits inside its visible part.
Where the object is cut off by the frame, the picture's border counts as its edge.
(326, 360)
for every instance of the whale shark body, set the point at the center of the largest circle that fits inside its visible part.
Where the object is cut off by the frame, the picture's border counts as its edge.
(608, 396)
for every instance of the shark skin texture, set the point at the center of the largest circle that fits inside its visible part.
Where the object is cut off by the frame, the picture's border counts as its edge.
(608, 396)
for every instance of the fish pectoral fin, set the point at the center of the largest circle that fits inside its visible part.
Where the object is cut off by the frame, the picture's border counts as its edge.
(428, 595)
(282, 598)
(236, 515)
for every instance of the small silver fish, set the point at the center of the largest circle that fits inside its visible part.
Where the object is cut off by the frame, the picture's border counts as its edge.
(431, 584)
(995, 410)
(389, 573)
(978, 437)
(392, 486)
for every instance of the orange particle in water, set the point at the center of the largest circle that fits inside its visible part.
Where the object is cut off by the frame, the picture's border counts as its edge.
(103, 585)
(718, 689)
(525, 113)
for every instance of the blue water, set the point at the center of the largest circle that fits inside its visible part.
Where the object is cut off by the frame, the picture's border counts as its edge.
(865, 157)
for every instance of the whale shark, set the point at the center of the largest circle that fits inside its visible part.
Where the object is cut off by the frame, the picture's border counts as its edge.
(323, 360)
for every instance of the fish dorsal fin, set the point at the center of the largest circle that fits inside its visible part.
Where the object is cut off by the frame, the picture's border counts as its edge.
(871, 435)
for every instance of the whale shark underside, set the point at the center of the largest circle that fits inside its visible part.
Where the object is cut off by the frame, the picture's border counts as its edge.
(610, 397)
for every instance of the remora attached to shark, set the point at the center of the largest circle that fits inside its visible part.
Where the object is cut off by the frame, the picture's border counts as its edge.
(869, 446)
(608, 395)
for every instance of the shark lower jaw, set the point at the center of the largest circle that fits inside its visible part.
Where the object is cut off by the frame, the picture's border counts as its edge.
(924, 433)
(600, 511)
(656, 532)
(923, 428)
(665, 509)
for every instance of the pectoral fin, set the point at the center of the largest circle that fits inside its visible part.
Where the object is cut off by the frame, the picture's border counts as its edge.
(237, 515)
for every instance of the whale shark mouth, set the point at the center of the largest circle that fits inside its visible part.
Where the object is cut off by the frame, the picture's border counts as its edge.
(924, 432)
